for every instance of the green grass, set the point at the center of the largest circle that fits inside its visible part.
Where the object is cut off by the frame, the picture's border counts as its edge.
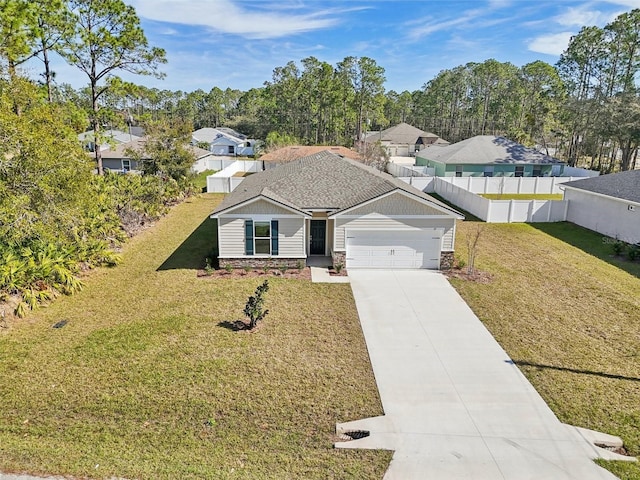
(521, 196)
(200, 181)
(569, 315)
(146, 382)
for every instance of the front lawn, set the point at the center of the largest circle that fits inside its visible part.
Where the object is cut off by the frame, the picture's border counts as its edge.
(568, 314)
(147, 381)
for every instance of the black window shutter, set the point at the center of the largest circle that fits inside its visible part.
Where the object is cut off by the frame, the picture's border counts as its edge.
(274, 237)
(248, 237)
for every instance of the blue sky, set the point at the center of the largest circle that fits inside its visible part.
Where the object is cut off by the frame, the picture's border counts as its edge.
(238, 43)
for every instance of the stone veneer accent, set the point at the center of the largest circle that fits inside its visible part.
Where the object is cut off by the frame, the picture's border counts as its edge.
(261, 262)
(339, 257)
(446, 260)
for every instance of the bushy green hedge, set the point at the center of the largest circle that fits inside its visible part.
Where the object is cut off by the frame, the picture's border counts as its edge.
(58, 218)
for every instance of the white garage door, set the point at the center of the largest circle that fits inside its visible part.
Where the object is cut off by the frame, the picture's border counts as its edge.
(394, 249)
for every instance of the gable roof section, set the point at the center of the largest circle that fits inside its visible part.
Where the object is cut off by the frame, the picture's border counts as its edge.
(623, 185)
(115, 136)
(121, 150)
(209, 134)
(294, 152)
(323, 181)
(403, 133)
(487, 149)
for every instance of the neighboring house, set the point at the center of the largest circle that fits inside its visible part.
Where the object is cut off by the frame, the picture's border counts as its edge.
(224, 141)
(608, 204)
(294, 152)
(327, 205)
(404, 140)
(111, 139)
(118, 158)
(488, 156)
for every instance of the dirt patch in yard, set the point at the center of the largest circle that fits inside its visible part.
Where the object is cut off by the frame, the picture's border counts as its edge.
(477, 276)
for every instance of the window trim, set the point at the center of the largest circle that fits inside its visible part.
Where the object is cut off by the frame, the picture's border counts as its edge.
(250, 237)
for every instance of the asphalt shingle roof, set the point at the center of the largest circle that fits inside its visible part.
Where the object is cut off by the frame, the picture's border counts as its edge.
(321, 181)
(403, 133)
(294, 152)
(486, 149)
(623, 185)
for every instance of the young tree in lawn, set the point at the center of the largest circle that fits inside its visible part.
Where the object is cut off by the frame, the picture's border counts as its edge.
(108, 39)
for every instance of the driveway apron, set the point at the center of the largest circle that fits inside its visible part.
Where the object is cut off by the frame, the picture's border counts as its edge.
(455, 405)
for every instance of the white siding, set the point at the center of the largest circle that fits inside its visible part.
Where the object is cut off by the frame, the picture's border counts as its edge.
(262, 207)
(604, 215)
(231, 237)
(369, 223)
(290, 237)
(396, 204)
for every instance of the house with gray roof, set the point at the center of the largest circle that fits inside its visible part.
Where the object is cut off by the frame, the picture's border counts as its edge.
(608, 204)
(488, 156)
(329, 206)
(109, 139)
(404, 140)
(224, 141)
(119, 158)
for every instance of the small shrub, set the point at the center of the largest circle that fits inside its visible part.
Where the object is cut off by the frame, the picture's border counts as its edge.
(618, 247)
(208, 267)
(283, 269)
(246, 269)
(460, 263)
(338, 267)
(228, 268)
(633, 252)
(254, 308)
(266, 267)
(299, 265)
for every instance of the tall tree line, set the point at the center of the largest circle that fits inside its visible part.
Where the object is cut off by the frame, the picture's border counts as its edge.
(585, 109)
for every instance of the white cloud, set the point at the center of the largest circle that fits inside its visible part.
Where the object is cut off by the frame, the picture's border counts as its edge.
(227, 17)
(578, 17)
(551, 44)
(436, 25)
(626, 3)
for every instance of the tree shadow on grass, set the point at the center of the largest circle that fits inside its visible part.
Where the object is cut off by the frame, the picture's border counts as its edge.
(468, 217)
(191, 254)
(593, 243)
(235, 326)
(522, 363)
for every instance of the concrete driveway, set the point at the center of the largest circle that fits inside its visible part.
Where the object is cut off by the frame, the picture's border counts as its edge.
(455, 406)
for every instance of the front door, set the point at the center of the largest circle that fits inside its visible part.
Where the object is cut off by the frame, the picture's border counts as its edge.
(318, 236)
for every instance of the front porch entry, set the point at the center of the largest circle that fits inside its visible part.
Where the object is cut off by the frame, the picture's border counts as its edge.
(318, 237)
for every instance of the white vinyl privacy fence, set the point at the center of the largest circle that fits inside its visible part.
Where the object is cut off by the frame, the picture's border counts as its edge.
(502, 211)
(510, 185)
(463, 193)
(224, 181)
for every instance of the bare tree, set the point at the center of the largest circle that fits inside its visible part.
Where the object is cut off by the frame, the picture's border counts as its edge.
(472, 246)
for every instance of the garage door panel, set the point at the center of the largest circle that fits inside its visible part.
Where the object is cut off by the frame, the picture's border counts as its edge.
(394, 249)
